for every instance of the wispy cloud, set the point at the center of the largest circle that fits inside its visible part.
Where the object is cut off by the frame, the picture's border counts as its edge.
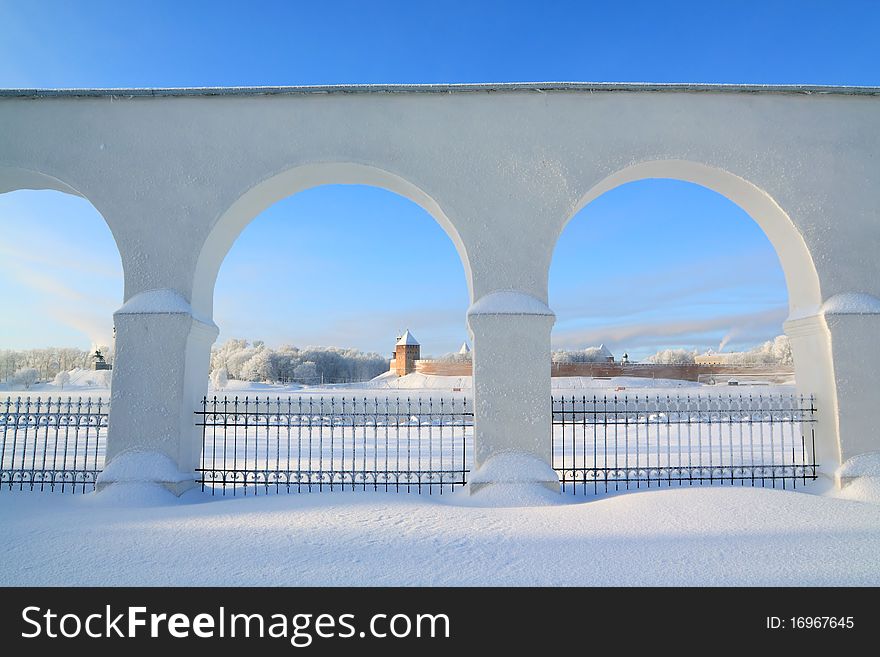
(662, 332)
(98, 327)
(59, 259)
(53, 298)
(616, 296)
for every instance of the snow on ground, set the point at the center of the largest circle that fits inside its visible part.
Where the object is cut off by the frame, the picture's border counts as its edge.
(431, 384)
(865, 489)
(87, 383)
(706, 536)
(417, 384)
(504, 535)
(83, 383)
(417, 381)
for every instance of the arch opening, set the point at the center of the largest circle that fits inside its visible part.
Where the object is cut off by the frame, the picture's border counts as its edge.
(288, 183)
(343, 267)
(63, 273)
(62, 276)
(672, 265)
(693, 313)
(359, 269)
(800, 273)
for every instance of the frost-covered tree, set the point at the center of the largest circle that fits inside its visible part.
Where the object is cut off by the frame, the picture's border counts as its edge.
(219, 378)
(672, 357)
(258, 362)
(781, 350)
(306, 372)
(62, 379)
(598, 354)
(259, 366)
(773, 352)
(49, 361)
(26, 377)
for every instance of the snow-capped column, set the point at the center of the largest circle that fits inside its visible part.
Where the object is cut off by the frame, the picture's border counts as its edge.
(511, 358)
(845, 377)
(814, 375)
(159, 376)
(853, 322)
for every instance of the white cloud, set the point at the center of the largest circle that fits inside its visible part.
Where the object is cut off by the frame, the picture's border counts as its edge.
(662, 332)
(56, 256)
(617, 295)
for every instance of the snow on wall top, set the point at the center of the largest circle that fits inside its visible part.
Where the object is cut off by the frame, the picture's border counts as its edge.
(156, 301)
(852, 303)
(163, 301)
(447, 88)
(509, 302)
(407, 339)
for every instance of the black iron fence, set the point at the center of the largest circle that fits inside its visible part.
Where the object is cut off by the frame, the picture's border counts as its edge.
(622, 442)
(424, 444)
(52, 444)
(292, 444)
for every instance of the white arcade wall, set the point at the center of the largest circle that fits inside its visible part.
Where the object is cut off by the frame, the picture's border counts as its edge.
(178, 173)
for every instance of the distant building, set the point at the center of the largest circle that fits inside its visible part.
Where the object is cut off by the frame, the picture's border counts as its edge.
(406, 352)
(465, 351)
(605, 354)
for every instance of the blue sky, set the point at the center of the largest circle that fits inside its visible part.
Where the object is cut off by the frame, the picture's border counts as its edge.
(342, 285)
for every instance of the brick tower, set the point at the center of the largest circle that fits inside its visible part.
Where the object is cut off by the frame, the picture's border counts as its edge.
(406, 353)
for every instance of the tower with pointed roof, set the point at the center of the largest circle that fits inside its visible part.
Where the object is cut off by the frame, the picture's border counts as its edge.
(406, 352)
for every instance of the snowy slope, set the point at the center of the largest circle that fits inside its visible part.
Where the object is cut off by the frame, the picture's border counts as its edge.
(712, 536)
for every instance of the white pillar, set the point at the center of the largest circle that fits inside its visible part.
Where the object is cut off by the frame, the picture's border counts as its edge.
(836, 357)
(512, 406)
(854, 325)
(814, 374)
(159, 376)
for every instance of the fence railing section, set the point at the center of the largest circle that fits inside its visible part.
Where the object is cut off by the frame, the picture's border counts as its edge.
(314, 443)
(425, 444)
(622, 442)
(52, 444)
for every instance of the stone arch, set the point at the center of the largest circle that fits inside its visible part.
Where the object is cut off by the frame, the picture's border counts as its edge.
(805, 326)
(801, 277)
(255, 200)
(13, 179)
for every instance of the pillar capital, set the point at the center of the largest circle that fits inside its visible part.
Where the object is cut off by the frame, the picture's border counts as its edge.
(510, 302)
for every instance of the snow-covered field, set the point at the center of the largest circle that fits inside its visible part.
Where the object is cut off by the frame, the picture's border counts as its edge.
(141, 535)
(312, 430)
(711, 536)
(86, 383)
(82, 383)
